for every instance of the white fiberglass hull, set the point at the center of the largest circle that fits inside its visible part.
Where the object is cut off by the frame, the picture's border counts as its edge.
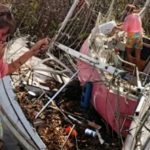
(15, 119)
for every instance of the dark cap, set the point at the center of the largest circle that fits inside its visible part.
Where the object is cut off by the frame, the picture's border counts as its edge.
(130, 8)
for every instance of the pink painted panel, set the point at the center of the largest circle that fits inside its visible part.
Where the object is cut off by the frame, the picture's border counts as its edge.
(112, 107)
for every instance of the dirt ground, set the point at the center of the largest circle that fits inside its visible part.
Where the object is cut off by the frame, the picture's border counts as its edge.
(56, 122)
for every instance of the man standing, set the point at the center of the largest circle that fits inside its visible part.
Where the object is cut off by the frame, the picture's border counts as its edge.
(132, 25)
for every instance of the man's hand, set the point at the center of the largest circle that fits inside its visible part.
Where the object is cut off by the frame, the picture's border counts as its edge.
(118, 27)
(40, 45)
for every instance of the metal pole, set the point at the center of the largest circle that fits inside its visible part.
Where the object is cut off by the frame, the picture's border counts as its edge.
(51, 99)
(145, 8)
(68, 16)
(109, 13)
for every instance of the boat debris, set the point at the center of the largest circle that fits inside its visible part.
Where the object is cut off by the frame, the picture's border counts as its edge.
(42, 115)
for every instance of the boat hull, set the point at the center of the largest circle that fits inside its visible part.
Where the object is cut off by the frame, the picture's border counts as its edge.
(13, 116)
(115, 108)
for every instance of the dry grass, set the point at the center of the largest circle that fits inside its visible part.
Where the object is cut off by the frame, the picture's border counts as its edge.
(42, 18)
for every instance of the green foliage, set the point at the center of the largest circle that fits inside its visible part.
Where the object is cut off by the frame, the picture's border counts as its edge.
(44, 17)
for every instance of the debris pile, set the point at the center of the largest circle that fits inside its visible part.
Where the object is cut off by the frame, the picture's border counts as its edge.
(64, 124)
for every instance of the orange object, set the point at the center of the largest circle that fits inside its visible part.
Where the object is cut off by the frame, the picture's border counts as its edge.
(73, 133)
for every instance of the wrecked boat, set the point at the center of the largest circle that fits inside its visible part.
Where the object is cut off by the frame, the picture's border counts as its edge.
(117, 90)
(116, 104)
(13, 117)
(113, 94)
(11, 110)
(117, 93)
(122, 101)
(117, 98)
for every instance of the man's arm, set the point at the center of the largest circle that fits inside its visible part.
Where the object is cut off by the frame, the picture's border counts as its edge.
(119, 27)
(12, 67)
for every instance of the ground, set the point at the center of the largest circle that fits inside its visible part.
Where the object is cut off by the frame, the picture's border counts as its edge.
(55, 123)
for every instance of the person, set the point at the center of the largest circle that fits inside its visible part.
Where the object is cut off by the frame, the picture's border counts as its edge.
(7, 26)
(132, 25)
